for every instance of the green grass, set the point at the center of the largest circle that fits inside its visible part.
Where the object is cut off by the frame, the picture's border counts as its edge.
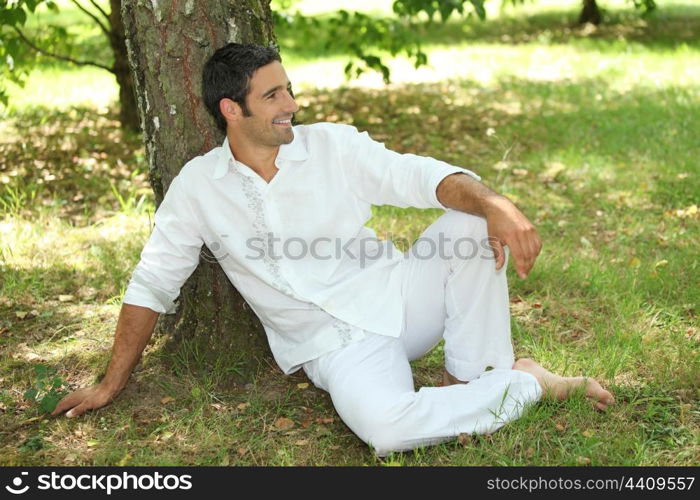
(594, 136)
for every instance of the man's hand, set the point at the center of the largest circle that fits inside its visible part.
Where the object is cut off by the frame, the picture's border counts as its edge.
(134, 329)
(82, 400)
(506, 225)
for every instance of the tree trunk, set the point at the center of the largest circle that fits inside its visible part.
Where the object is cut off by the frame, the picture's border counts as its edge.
(168, 43)
(128, 114)
(590, 13)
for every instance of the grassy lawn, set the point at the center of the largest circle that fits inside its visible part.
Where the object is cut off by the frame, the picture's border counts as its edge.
(594, 133)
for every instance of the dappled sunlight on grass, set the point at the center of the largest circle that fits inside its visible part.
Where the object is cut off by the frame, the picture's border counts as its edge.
(57, 88)
(595, 138)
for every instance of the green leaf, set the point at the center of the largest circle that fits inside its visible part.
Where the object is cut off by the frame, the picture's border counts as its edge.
(30, 393)
(446, 9)
(20, 17)
(31, 4)
(479, 8)
(34, 443)
(56, 382)
(41, 370)
(49, 402)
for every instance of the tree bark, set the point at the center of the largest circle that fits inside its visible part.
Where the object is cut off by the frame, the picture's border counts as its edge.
(168, 43)
(590, 13)
(128, 114)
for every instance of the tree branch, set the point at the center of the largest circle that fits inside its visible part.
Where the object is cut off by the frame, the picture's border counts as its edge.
(59, 56)
(94, 17)
(95, 4)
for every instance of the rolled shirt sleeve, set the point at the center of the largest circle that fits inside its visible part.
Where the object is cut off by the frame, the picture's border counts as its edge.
(170, 255)
(384, 177)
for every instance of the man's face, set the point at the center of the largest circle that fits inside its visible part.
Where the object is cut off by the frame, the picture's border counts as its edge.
(271, 107)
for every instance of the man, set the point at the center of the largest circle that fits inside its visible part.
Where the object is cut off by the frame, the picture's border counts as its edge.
(285, 207)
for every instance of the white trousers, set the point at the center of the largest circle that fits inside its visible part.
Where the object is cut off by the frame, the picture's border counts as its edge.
(451, 290)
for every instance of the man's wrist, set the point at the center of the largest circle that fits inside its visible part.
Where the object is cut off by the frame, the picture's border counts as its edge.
(113, 386)
(492, 203)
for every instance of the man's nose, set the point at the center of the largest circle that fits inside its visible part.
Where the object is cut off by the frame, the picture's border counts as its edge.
(291, 105)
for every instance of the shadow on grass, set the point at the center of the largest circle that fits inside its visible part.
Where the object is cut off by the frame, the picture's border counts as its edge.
(72, 161)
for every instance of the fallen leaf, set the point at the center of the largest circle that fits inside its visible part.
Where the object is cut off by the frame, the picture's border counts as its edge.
(21, 314)
(92, 443)
(242, 406)
(583, 461)
(301, 442)
(588, 433)
(464, 439)
(305, 423)
(303, 385)
(241, 451)
(124, 460)
(66, 298)
(661, 263)
(166, 435)
(552, 172)
(87, 293)
(560, 427)
(217, 406)
(324, 420)
(167, 399)
(634, 262)
(322, 430)
(284, 423)
(334, 447)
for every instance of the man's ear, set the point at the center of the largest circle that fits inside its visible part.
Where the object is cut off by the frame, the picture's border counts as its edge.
(230, 109)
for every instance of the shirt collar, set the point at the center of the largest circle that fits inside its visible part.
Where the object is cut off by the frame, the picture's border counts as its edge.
(294, 151)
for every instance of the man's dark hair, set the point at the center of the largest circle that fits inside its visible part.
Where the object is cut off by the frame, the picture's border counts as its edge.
(227, 73)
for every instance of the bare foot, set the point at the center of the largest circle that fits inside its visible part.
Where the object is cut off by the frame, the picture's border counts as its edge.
(560, 388)
(449, 379)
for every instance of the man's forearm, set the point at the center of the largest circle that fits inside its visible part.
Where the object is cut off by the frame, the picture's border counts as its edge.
(506, 225)
(463, 192)
(134, 329)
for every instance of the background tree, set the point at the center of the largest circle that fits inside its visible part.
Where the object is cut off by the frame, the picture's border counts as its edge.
(19, 49)
(168, 44)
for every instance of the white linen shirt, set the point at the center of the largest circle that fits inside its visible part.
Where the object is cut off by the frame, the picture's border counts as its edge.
(296, 248)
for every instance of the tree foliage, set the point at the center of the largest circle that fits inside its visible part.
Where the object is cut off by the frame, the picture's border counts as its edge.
(16, 57)
(21, 48)
(365, 37)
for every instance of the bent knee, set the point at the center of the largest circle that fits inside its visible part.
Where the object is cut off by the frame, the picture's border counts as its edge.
(461, 224)
(386, 428)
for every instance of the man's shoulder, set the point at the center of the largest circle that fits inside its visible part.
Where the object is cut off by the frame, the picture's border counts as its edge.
(325, 131)
(202, 165)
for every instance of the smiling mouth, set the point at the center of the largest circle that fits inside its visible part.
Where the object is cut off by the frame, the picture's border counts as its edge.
(287, 122)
